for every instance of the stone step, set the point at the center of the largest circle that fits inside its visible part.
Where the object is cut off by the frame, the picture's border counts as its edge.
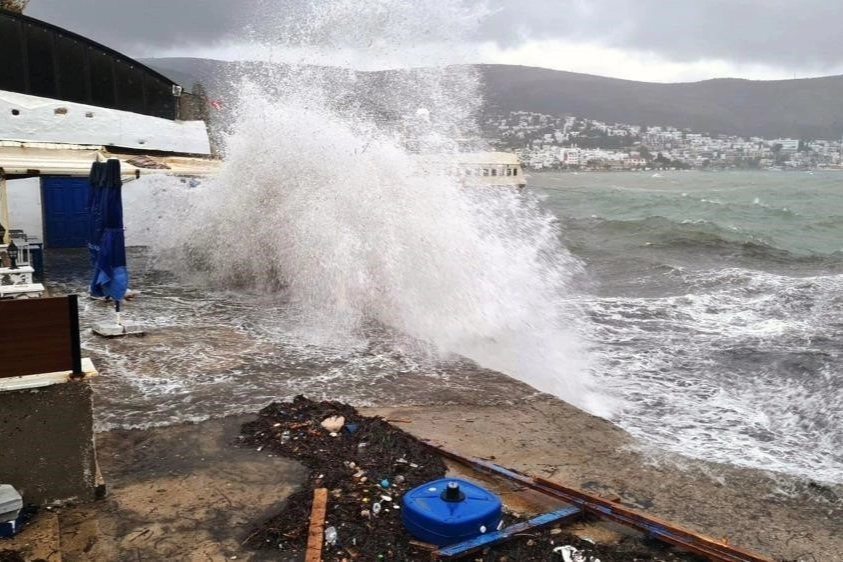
(21, 269)
(32, 290)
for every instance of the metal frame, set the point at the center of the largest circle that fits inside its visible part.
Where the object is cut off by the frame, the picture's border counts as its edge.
(686, 539)
(563, 515)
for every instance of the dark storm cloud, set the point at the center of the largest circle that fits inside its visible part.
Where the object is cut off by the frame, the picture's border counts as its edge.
(142, 26)
(785, 33)
(791, 33)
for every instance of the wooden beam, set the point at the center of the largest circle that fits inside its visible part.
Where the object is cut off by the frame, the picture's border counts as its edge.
(4, 208)
(315, 535)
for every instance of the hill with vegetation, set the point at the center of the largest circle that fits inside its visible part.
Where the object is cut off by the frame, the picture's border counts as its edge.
(804, 108)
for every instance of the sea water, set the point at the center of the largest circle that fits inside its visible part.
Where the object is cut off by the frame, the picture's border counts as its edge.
(715, 309)
(711, 305)
(698, 311)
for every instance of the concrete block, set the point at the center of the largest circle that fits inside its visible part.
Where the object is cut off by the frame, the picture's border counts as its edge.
(112, 330)
(47, 442)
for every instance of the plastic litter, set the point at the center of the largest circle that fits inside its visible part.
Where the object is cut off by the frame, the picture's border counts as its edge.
(331, 536)
(11, 503)
(333, 423)
(571, 554)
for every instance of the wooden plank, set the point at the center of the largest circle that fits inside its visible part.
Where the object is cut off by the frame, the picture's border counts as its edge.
(36, 337)
(315, 535)
(47, 379)
(483, 541)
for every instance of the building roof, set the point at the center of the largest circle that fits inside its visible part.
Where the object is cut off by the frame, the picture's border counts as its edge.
(91, 42)
(40, 59)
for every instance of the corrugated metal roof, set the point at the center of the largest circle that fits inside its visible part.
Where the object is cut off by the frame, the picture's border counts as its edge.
(85, 40)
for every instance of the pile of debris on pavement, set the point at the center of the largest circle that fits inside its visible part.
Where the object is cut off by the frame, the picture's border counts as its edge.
(367, 464)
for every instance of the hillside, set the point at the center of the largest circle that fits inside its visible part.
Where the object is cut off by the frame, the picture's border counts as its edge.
(805, 108)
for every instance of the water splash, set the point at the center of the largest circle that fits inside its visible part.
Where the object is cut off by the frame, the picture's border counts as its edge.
(319, 203)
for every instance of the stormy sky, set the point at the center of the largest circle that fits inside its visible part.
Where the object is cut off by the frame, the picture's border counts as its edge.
(653, 40)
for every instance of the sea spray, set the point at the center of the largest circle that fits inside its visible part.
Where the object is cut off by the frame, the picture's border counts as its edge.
(319, 203)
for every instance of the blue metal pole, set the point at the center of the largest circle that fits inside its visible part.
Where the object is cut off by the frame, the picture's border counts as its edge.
(483, 541)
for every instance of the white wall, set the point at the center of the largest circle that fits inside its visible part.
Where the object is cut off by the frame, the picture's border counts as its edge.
(143, 201)
(25, 206)
(47, 120)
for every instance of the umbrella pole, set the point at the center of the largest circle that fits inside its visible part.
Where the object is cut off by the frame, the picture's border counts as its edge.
(117, 313)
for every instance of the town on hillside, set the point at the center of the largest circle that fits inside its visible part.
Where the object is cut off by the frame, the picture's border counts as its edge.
(572, 143)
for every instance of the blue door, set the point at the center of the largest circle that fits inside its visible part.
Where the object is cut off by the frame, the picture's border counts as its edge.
(65, 212)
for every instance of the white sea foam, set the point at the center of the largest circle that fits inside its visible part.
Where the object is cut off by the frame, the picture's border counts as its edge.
(735, 372)
(319, 203)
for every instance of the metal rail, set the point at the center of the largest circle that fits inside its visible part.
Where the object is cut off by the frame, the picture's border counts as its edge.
(719, 551)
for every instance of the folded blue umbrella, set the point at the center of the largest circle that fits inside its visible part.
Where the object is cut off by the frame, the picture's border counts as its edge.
(106, 241)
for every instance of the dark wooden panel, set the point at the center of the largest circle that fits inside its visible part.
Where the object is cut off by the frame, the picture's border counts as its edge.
(37, 336)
